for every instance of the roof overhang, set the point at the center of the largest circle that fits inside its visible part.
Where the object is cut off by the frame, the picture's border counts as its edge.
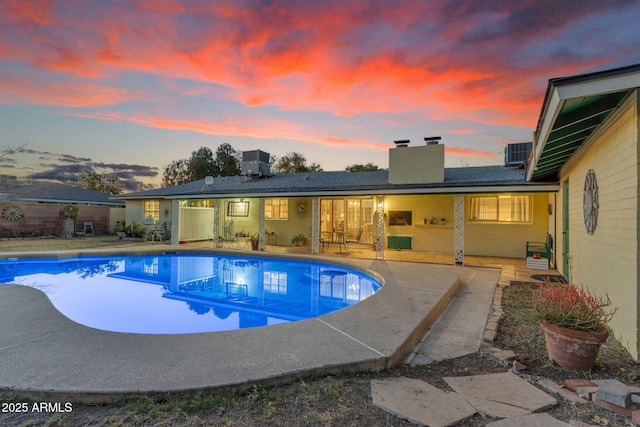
(573, 109)
(523, 188)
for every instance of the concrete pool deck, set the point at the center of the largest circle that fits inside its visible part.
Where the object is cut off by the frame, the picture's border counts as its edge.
(45, 355)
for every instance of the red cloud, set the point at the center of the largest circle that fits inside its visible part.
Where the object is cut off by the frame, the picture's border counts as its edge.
(440, 62)
(28, 13)
(468, 152)
(67, 94)
(241, 126)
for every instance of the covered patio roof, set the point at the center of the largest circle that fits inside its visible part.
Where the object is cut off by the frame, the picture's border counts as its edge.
(574, 108)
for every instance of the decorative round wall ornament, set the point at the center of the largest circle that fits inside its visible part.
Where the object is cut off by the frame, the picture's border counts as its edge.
(12, 213)
(302, 207)
(590, 203)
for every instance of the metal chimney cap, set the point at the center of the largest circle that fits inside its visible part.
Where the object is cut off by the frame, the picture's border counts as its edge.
(402, 142)
(432, 140)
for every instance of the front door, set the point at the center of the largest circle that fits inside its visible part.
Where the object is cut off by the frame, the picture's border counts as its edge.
(565, 231)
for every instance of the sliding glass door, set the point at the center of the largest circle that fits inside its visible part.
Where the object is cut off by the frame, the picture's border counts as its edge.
(352, 216)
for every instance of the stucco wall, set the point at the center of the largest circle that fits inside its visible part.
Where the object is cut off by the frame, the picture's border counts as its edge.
(427, 238)
(483, 239)
(284, 229)
(298, 222)
(504, 239)
(607, 260)
(416, 165)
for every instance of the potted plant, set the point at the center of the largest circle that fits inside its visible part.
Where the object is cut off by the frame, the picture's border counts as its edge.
(299, 240)
(254, 238)
(574, 321)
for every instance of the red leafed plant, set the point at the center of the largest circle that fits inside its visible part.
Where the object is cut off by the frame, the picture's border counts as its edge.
(570, 306)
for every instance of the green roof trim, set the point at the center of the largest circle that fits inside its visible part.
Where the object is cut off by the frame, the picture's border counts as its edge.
(578, 119)
(574, 109)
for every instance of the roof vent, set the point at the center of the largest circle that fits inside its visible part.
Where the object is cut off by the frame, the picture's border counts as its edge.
(402, 143)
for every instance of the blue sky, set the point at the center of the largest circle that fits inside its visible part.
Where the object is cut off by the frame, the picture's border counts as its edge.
(128, 87)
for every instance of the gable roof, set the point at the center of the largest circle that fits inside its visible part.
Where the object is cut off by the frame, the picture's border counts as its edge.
(574, 107)
(56, 193)
(456, 180)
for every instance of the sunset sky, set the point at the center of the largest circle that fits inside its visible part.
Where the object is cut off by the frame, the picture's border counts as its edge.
(129, 86)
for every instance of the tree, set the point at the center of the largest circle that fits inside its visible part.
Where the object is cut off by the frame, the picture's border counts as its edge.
(369, 167)
(201, 164)
(176, 173)
(105, 183)
(227, 161)
(12, 150)
(69, 216)
(295, 163)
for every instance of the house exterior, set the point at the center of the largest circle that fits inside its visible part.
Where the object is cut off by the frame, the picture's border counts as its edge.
(579, 186)
(587, 140)
(28, 210)
(489, 210)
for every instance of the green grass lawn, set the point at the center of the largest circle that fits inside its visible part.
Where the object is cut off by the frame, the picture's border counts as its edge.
(59, 244)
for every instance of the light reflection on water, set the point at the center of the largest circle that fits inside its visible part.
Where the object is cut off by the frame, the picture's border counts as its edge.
(186, 293)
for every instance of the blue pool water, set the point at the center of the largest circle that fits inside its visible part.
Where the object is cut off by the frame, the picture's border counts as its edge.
(188, 293)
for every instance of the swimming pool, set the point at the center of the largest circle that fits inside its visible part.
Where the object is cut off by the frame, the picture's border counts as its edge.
(179, 293)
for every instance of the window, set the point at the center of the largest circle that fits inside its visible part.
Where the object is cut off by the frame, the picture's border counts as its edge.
(276, 208)
(152, 209)
(275, 282)
(500, 208)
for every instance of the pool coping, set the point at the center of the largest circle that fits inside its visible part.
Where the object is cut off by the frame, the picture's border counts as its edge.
(47, 356)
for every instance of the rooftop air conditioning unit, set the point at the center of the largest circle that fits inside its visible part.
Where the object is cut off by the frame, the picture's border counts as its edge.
(255, 164)
(516, 154)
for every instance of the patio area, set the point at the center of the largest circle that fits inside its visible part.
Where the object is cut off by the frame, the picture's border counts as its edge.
(511, 268)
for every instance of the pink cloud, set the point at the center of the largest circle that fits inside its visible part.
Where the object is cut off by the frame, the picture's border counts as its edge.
(468, 152)
(29, 13)
(442, 62)
(20, 91)
(250, 127)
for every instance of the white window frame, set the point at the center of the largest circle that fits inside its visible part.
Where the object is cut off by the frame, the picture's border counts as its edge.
(283, 214)
(275, 282)
(501, 208)
(152, 209)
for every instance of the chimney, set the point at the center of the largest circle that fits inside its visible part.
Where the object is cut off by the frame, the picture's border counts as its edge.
(417, 165)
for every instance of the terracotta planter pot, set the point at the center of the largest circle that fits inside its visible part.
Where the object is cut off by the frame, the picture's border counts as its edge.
(570, 349)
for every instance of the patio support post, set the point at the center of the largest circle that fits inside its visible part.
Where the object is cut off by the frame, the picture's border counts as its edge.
(458, 229)
(216, 223)
(379, 245)
(315, 224)
(175, 222)
(261, 224)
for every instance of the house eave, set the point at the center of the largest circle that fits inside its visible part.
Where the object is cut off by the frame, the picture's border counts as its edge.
(612, 86)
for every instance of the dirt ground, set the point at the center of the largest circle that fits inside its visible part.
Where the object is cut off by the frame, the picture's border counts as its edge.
(345, 400)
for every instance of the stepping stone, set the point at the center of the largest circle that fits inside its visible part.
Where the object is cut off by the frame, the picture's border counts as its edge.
(501, 395)
(420, 402)
(532, 420)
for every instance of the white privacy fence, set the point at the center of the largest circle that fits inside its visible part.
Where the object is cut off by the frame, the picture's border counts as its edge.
(195, 224)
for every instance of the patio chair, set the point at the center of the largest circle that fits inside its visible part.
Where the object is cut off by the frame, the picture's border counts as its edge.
(229, 239)
(357, 239)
